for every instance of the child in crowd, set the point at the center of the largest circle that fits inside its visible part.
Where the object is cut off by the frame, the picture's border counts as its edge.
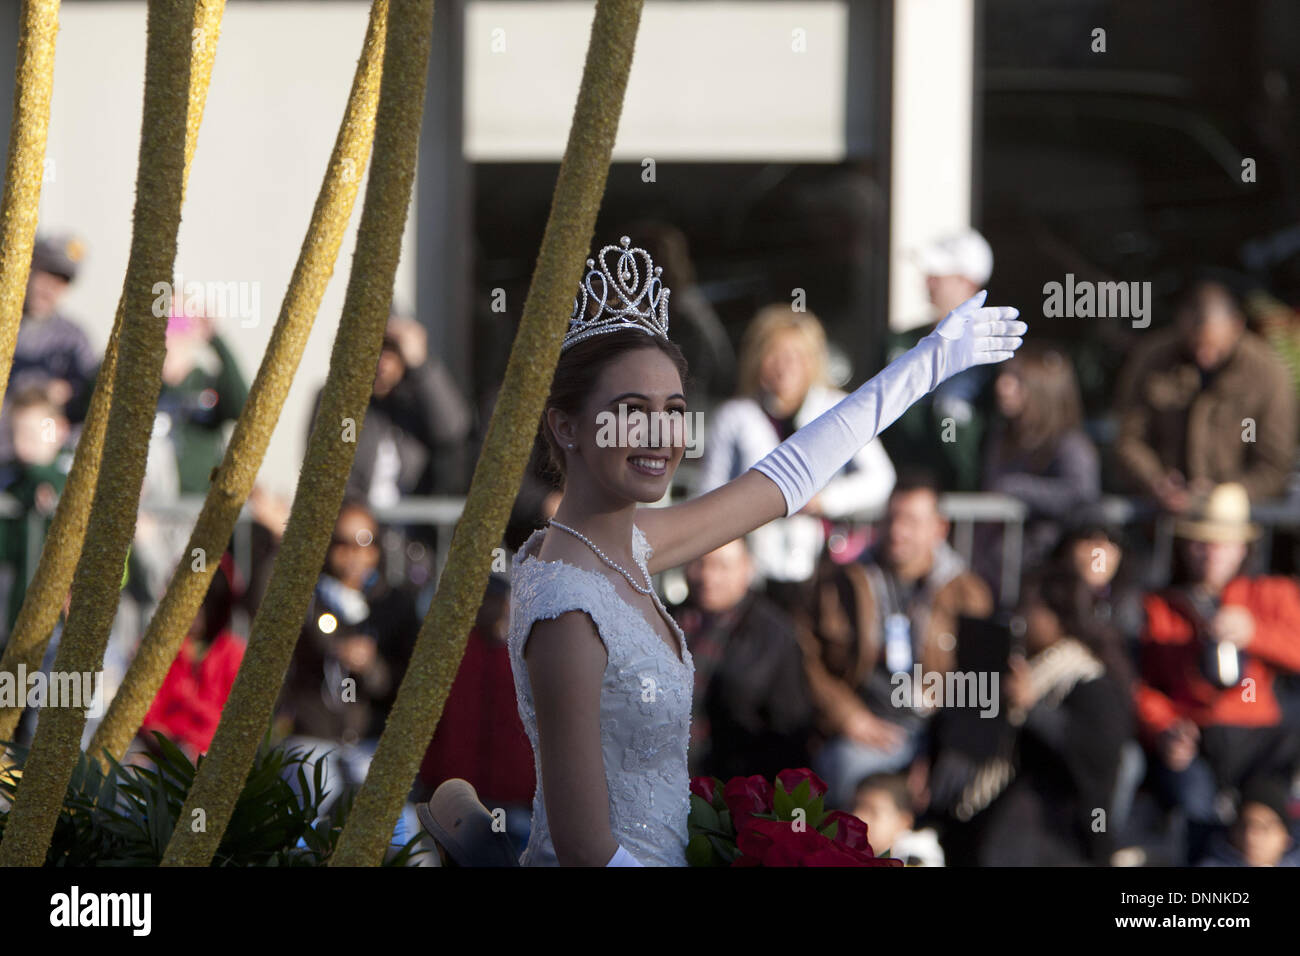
(1260, 836)
(35, 479)
(883, 803)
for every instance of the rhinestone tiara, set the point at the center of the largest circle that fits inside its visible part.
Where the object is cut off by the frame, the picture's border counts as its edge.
(630, 295)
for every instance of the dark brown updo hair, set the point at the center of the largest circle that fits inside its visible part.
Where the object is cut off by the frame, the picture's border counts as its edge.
(575, 377)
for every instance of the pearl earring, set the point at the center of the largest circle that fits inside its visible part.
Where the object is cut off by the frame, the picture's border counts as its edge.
(571, 444)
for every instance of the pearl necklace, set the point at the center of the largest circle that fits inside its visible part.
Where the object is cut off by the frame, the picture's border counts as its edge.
(648, 592)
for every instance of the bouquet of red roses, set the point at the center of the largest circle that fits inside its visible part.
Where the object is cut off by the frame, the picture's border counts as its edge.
(751, 822)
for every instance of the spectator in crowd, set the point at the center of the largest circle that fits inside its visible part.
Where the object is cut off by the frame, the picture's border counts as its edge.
(783, 386)
(51, 351)
(1260, 835)
(752, 709)
(1213, 645)
(269, 512)
(351, 655)
(883, 802)
(188, 706)
(202, 392)
(1109, 608)
(416, 425)
(38, 433)
(1206, 402)
(873, 619)
(1038, 453)
(1044, 801)
(943, 431)
(1092, 551)
(480, 737)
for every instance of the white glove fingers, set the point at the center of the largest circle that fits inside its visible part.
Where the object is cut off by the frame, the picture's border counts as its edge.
(992, 358)
(1001, 343)
(1005, 327)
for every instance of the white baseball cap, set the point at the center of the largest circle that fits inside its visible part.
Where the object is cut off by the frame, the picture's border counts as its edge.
(964, 254)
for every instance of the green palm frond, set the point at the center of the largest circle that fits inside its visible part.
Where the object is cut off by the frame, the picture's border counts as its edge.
(124, 815)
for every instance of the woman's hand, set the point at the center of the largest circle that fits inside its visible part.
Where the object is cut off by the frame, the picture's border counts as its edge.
(972, 335)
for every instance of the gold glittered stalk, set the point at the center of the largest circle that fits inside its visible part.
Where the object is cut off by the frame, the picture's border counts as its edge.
(53, 575)
(175, 43)
(441, 643)
(234, 480)
(330, 449)
(25, 171)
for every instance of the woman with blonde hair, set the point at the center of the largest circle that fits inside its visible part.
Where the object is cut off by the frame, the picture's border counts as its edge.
(783, 385)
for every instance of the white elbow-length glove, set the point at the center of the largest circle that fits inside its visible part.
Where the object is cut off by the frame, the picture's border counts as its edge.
(970, 335)
(622, 858)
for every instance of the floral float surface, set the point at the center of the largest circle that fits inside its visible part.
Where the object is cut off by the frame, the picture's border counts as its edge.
(752, 822)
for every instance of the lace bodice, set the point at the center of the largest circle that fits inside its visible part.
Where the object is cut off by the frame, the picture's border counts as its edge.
(645, 705)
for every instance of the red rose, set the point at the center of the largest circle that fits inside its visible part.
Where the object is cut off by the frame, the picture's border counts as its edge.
(837, 854)
(792, 778)
(746, 796)
(777, 843)
(849, 830)
(704, 788)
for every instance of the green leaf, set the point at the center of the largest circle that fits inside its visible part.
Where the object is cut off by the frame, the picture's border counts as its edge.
(726, 850)
(783, 803)
(702, 814)
(817, 812)
(700, 852)
(725, 824)
(719, 803)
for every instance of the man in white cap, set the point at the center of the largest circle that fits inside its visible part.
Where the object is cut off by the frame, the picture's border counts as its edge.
(942, 432)
(955, 267)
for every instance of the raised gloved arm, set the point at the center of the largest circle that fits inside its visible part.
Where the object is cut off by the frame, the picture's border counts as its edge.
(970, 335)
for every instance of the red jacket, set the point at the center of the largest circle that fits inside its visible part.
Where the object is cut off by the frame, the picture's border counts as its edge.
(1172, 685)
(480, 737)
(188, 706)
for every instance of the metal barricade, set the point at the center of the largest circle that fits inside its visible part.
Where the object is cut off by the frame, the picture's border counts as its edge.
(963, 510)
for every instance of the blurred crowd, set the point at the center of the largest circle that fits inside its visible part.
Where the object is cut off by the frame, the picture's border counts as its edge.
(1120, 709)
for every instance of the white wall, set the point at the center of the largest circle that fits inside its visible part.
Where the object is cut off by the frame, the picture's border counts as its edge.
(279, 86)
(710, 81)
(931, 162)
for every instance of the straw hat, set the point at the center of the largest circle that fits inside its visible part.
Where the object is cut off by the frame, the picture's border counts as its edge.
(1224, 518)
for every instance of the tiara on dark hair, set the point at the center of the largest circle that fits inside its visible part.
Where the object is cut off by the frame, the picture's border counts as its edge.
(629, 295)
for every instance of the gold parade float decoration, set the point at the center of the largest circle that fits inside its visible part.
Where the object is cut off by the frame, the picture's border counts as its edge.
(91, 531)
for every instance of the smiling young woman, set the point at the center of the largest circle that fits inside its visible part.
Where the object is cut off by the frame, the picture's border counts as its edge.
(602, 673)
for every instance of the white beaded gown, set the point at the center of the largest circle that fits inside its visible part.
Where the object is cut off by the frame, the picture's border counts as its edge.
(645, 705)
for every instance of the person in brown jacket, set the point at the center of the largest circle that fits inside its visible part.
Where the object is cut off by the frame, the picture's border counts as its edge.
(870, 622)
(1206, 402)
